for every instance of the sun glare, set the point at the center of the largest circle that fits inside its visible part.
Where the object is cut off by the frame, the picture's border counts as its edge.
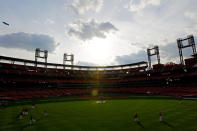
(100, 50)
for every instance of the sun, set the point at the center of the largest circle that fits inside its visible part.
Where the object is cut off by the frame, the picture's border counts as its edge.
(100, 50)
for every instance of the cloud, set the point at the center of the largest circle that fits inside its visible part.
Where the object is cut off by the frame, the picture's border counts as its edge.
(168, 53)
(82, 6)
(191, 15)
(137, 5)
(49, 22)
(89, 30)
(131, 58)
(27, 41)
(191, 29)
(84, 63)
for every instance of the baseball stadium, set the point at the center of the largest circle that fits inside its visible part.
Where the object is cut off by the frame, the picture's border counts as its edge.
(138, 96)
(98, 65)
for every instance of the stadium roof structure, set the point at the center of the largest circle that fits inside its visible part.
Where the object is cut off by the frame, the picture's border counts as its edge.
(59, 66)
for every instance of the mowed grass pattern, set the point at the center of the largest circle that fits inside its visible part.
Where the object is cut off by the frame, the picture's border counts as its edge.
(114, 115)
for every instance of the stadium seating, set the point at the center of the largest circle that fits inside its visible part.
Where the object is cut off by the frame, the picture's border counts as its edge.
(30, 82)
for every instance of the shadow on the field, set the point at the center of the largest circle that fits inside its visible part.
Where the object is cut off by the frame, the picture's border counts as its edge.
(141, 125)
(11, 123)
(33, 124)
(25, 126)
(167, 124)
(14, 121)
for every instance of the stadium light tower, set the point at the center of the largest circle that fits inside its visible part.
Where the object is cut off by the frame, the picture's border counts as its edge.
(43, 56)
(68, 58)
(191, 43)
(152, 53)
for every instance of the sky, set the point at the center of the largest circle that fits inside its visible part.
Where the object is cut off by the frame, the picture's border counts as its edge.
(96, 32)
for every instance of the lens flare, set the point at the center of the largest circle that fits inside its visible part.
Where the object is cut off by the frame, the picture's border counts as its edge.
(94, 92)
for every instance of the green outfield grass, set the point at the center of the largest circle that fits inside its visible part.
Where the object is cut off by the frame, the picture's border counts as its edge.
(114, 115)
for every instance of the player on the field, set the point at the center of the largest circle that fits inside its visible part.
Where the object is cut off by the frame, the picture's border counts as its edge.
(32, 120)
(45, 113)
(160, 117)
(33, 106)
(25, 110)
(20, 115)
(180, 99)
(136, 117)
